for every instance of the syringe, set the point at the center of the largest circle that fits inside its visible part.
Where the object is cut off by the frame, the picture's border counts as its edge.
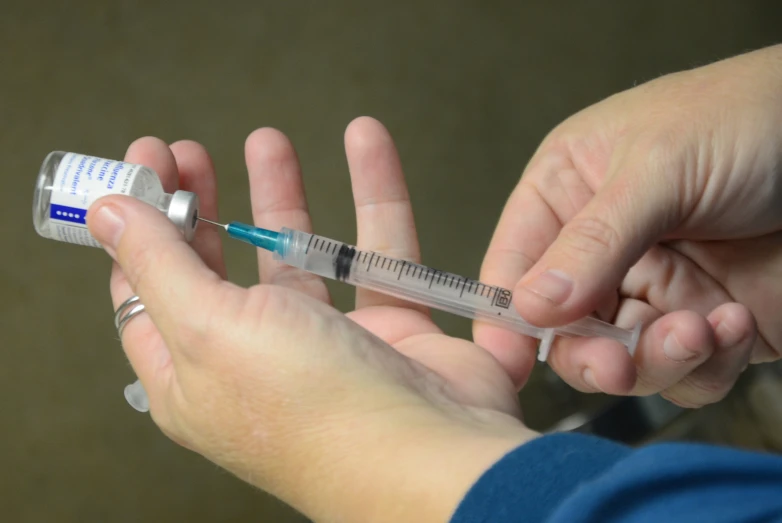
(406, 280)
(416, 283)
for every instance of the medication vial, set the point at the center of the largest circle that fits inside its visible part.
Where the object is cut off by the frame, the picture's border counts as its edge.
(69, 183)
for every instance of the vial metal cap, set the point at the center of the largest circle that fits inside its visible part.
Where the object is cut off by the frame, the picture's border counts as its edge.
(183, 211)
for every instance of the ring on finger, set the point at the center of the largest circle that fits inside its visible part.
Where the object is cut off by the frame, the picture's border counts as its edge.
(127, 310)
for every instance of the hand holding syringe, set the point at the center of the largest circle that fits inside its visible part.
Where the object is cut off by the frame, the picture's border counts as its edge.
(409, 281)
(61, 215)
(416, 283)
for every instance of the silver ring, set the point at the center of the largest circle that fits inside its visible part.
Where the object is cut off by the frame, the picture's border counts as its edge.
(123, 315)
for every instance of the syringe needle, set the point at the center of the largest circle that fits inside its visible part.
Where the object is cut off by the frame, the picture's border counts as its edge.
(213, 223)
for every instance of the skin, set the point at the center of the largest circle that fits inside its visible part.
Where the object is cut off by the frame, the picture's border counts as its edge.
(657, 204)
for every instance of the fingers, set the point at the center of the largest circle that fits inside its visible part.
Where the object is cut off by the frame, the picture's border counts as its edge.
(155, 154)
(184, 165)
(690, 360)
(529, 223)
(743, 265)
(278, 200)
(516, 353)
(735, 332)
(595, 249)
(197, 174)
(684, 355)
(148, 357)
(550, 192)
(605, 365)
(669, 280)
(593, 365)
(670, 349)
(384, 214)
(162, 269)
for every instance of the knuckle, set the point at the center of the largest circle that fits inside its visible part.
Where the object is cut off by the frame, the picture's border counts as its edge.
(192, 144)
(648, 383)
(681, 402)
(592, 235)
(710, 388)
(668, 149)
(661, 145)
(697, 392)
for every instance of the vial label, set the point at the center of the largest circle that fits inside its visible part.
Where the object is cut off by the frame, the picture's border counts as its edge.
(78, 182)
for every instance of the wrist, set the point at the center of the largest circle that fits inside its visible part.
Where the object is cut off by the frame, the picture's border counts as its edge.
(412, 464)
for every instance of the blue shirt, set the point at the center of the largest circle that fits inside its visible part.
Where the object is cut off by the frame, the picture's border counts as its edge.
(575, 478)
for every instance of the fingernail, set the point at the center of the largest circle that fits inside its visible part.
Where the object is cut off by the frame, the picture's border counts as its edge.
(675, 351)
(553, 285)
(107, 226)
(589, 378)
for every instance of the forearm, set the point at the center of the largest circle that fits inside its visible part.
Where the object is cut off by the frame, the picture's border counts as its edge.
(415, 465)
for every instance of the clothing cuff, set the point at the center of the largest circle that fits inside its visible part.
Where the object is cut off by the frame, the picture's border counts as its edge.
(531, 481)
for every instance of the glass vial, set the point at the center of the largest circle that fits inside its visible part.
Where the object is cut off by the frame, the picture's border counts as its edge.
(69, 183)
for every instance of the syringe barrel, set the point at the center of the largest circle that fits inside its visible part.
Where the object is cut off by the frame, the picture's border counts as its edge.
(430, 287)
(309, 252)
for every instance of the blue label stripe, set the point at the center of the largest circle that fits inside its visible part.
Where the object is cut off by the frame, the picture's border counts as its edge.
(68, 214)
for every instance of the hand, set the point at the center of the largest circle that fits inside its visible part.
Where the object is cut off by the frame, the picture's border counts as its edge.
(340, 416)
(659, 204)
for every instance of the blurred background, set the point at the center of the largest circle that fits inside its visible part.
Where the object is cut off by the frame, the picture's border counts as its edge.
(467, 88)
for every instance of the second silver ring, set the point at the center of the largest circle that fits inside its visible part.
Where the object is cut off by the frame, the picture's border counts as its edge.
(127, 310)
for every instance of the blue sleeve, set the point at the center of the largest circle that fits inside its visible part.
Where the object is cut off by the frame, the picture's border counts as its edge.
(576, 478)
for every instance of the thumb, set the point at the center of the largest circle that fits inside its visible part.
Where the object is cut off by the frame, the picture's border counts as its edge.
(594, 250)
(168, 276)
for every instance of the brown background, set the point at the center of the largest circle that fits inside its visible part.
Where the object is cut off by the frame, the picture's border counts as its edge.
(468, 88)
